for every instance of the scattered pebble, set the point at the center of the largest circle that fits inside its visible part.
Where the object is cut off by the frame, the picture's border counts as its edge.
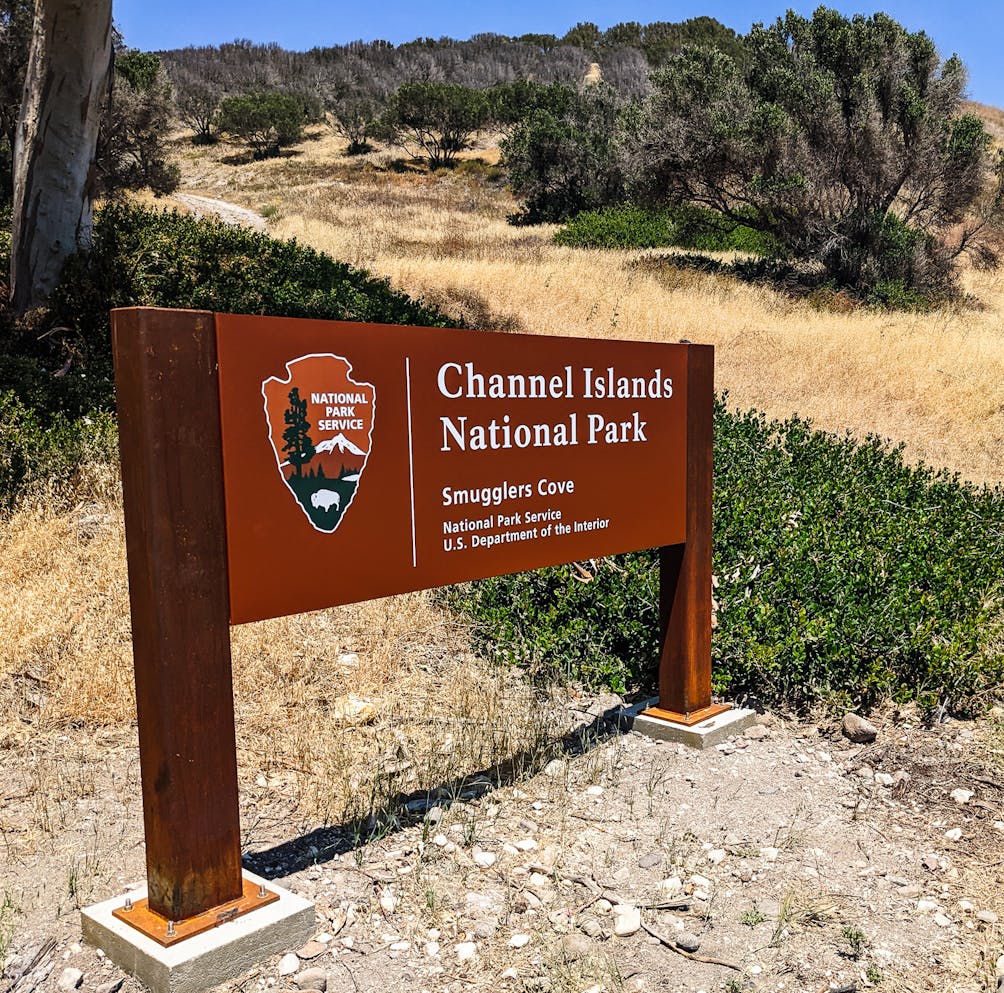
(289, 965)
(312, 979)
(519, 941)
(484, 859)
(953, 834)
(962, 796)
(716, 855)
(70, 979)
(859, 730)
(687, 941)
(670, 887)
(575, 947)
(311, 950)
(465, 950)
(986, 916)
(627, 920)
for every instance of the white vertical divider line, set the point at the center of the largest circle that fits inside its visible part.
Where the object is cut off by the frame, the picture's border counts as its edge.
(411, 464)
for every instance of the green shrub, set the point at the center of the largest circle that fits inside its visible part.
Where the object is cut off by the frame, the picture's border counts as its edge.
(55, 366)
(631, 226)
(844, 575)
(265, 122)
(37, 451)
(165, 259)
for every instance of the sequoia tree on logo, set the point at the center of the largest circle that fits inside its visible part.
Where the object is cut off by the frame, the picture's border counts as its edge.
(320, 424)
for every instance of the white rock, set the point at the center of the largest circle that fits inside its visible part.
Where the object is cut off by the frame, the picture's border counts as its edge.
(925, 905)
(72, 978)
(400, 946)
(440, 841)
(966, 907)
(509, 974)
(702, 895)
(769, 854)
(594, 791)
(388, 901)
(324, 938)
(465, 950)
(603, 906)
(700, 882)
(432, 949)
(962, 796)
(884, 779)
(942, 920)
(526, 845)
(288, 965)
(670, 887)
(716, 855)
(538, 880)
(484, 859)
(519, 940)
(627, 920)
(986, 916)
(555, 768)
(954, 834)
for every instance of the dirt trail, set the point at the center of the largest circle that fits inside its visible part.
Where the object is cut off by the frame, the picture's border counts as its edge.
(229, 213)
(789, 860)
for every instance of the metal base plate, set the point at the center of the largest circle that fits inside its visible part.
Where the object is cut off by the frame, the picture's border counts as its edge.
(168, 933)
(690, 719)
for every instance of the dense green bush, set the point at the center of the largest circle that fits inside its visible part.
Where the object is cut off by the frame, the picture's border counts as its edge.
(266, 122)
(37, 450)
(685, 226)
(846, 138)
(843, 575)
(165, 259)
(437, 120)
(562, 158)
(55, 365)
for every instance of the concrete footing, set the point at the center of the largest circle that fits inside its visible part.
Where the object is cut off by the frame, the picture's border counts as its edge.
(707, 734)
(207, 959)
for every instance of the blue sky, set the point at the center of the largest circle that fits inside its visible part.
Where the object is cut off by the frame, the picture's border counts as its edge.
(971, 28)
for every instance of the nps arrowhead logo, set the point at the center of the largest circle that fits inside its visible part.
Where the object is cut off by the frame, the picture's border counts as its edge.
(320, 424)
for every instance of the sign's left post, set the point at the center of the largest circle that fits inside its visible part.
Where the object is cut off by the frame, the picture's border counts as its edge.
(172, 486)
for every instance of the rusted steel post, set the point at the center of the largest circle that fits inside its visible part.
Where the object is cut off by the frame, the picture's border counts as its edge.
(172, 484)
(685, 570)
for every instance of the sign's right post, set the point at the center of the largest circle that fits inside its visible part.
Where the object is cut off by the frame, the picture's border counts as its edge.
(685, 570)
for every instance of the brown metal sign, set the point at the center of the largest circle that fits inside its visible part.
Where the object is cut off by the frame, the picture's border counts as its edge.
(272, 466)
(364, 460)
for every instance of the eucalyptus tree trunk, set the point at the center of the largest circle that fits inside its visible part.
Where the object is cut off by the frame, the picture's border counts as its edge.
(55, 144)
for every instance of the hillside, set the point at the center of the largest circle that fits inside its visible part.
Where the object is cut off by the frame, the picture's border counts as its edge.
(929, 380)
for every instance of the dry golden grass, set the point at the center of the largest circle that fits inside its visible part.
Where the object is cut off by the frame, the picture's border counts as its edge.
(434, 712)
(933, 381)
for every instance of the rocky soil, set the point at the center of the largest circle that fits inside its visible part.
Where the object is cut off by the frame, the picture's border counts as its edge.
(788, 859)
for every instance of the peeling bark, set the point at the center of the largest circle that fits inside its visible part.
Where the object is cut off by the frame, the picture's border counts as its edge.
(56, 141)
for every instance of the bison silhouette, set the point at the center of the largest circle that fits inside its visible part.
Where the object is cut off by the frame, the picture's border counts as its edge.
(326, 499)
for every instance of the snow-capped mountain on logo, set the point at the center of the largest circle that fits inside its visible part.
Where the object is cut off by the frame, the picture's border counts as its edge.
(339, 442)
